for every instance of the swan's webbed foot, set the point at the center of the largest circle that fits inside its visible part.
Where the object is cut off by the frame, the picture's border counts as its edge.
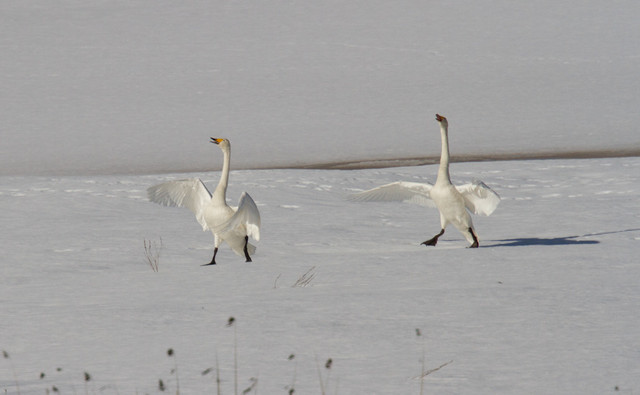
(213, 260)
(434, 240)
(246, 251)
(430, 242)
(475, 243)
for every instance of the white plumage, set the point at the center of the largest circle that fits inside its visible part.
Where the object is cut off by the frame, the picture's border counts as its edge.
(453, 202)
(233, 225)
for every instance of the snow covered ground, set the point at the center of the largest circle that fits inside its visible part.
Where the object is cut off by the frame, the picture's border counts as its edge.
(548, 304)
(94, 90)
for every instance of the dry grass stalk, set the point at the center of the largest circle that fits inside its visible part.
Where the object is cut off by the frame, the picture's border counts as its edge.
(152, 253)
(306, 278)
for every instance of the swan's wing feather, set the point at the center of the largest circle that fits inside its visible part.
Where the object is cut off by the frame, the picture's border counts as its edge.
(401, 191)
(479, 198)
(246, 214)
(190, 193)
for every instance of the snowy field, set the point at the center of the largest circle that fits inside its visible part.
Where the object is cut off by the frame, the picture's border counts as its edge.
(548, 304)
(101, 99)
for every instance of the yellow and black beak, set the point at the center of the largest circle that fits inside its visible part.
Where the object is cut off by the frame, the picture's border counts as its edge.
(215, 140)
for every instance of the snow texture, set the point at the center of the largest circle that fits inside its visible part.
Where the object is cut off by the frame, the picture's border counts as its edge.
(101, 100)
(547, 304)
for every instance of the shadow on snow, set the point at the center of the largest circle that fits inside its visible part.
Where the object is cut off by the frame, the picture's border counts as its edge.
(553, 241)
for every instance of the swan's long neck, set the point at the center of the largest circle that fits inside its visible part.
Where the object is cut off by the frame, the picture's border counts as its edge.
(443, 170)
(221, 190)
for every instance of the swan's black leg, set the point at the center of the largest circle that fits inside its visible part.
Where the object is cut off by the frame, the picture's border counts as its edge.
(475, 239)
(246, 251)
(213, 260)
(434, 240)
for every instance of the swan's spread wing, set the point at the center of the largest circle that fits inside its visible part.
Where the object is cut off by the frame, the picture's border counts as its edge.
(246, 214)
(190, 193)
(412, 192)
(479, 198)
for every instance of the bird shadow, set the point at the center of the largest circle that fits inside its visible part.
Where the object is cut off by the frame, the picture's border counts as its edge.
(553, 241)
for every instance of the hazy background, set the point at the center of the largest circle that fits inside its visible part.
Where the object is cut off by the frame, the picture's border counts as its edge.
(135, 87)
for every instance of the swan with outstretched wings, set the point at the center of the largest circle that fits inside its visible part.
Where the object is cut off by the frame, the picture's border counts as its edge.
(233, 225)
(454, 202)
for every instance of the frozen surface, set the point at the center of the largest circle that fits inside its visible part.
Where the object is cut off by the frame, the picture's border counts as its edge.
(89, 90)
(106, 87)
(548, 304)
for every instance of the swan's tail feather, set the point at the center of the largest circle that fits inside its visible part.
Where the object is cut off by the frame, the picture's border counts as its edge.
(236, 243)
(246, 216)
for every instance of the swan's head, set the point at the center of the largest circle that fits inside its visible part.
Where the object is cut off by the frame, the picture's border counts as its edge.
(224, 144)
(442, 120)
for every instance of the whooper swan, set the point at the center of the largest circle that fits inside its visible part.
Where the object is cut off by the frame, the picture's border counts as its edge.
(453, 202)
(231, 224)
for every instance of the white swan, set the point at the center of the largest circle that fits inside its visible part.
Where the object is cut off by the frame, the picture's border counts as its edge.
(231, 224)
(454, 203)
